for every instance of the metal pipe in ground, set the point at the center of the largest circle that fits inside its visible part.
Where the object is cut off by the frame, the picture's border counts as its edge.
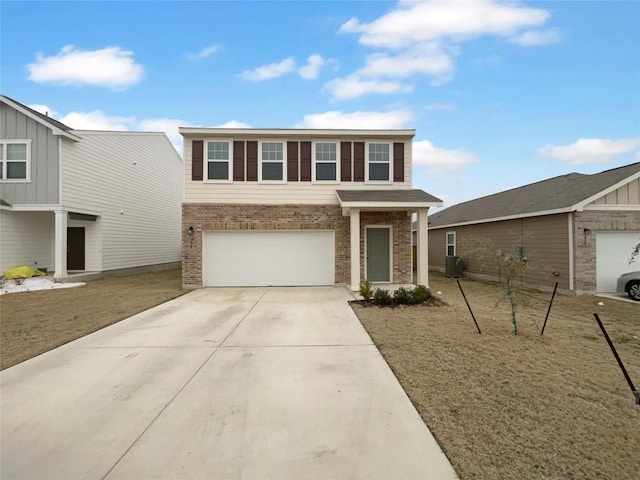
(549, 309)
(635, 392)
(468, 306)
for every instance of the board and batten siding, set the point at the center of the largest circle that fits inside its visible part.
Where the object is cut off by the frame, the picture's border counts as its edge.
(133, 181)
(628, 194)
(26, 239)
(544, 241)
(291, 192)
(42, 189)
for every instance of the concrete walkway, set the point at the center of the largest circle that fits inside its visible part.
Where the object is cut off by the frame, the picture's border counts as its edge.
(262, 383)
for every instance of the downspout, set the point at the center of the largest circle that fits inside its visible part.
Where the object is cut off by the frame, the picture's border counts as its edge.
(571, 252)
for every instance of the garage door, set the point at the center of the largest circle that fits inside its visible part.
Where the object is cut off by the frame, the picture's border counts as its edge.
(613, 250)
(268, 258)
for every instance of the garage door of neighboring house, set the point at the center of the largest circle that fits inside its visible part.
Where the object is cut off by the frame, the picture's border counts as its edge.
(283, 258)
(613, 250)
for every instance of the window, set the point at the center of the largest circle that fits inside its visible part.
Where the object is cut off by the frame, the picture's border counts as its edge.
(379, 162)
(451, 244)
(14, 160)
(326, 161)
(218, 164)
(272, 161)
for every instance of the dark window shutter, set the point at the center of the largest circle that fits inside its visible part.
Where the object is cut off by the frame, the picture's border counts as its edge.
(358, 162)
(398, 162)
(305, 161)
(238, 161)
(345, 161)
(197, 152)
(252, 161)
(292, 161)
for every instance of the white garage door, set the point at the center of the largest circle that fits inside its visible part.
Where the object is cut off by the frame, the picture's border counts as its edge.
(283, 258)
(613, 250)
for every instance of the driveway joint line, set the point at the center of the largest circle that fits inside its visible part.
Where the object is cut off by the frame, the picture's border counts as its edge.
(172, 399)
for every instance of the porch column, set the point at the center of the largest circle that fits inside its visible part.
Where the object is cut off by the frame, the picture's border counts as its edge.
(422, 241)
(60, 245)
(354, 216)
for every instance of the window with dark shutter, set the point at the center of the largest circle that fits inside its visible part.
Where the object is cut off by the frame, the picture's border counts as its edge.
(305, 161)
(197, 154)
(238, 161)
(292, 161)
(252, 161)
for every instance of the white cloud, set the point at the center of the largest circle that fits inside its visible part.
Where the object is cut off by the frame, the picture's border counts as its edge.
(233, 124)
(415, 22)
(203, 53)
(167, 125)
(43, 109)
(357, 120)
(312, 69)
(533, 38)
(590, 150)
(355, 86)
(440, 162)
(422, 38)
(97, 120)
(109, 67)
(273, 70)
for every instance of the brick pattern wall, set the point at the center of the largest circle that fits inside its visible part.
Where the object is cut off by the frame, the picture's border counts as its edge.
(585, 242)
(211, 217)
(401, 226)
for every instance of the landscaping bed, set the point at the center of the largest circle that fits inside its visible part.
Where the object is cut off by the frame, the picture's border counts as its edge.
(518, 407)
(35, 322)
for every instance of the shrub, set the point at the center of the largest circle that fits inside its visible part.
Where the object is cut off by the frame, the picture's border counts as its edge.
(421, 294)
(382, 297)
(366, 291)
(403, 296)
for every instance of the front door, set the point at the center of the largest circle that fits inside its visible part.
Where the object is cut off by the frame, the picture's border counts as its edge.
(378, 254)
(75, 248)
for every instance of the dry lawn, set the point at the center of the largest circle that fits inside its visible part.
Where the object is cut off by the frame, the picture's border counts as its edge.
(525, 407)
(32, 323)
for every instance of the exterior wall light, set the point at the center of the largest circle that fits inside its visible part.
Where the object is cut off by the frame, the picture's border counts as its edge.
(190, 231)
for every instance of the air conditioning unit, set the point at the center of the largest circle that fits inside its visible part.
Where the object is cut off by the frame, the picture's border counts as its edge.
(452, 266)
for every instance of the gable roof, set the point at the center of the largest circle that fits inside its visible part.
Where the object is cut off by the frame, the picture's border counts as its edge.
(565, 193)
(58, 128)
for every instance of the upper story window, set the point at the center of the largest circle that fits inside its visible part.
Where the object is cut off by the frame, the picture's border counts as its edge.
(451, 244)
(326, 161)
(272, 165)
(218, 161)
(15, 157)
(379, 162)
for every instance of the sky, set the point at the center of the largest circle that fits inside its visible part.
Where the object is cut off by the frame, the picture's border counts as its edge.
(501, 94)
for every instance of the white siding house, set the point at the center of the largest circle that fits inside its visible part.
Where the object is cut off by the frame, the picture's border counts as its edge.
(87, 201)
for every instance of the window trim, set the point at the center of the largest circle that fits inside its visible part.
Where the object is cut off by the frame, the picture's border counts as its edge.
(3, 144)
(313, 162)
(366, 162)
(284, 161)
(447, 244)
(205, 161)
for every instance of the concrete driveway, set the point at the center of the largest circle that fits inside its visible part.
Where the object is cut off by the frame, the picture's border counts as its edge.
(262, 383)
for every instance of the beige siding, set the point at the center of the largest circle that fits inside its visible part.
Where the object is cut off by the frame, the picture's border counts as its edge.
(282, 194)
(628, 194)
(133, 181)
(544, 240)
(26, 238)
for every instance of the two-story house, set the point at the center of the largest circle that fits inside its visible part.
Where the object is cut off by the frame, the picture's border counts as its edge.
(300, 207)
(86, 201)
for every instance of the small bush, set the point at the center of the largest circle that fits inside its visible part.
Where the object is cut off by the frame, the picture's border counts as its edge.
(421, 294)
(366, 290)
(403, 296)
(382, 297)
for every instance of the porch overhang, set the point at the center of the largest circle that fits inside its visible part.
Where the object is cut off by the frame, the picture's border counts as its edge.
(412, 201)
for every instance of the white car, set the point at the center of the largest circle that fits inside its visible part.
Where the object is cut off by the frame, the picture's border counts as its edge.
(629, 283)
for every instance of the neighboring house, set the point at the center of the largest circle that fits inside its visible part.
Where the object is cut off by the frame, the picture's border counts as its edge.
(85, 201)
(575, 229)
(300, 207)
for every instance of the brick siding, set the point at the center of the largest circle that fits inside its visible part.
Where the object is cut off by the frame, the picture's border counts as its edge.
(211, 217)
